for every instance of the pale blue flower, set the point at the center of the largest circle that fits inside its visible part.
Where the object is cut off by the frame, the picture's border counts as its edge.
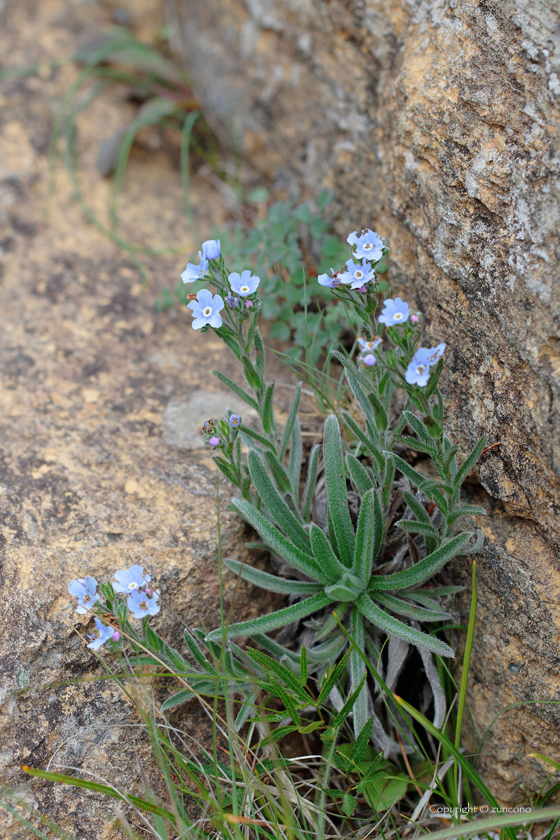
(127, 580)
(85, 591)
(418, 371)
(245, 283)
(369, 360)
(368, 245)
(395, 312)
(232, 301)
(436, 353)
(234, 421)
(368, 345)
(206, 309)
(211, 249)
(101, 634)
(195, 272)
(357, 274)
(332, 282)
(140, 605)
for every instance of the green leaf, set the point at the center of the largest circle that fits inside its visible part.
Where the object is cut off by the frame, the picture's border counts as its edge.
(391, 625)
(384, 793)
(402, 608)
(325, 197)
(362, 741)
(379, 411)
(363, 438)
(259, 353)
(469, 463)
(418, 445)
(226, 470)
(465, 510)
(358, 474)
(296, 457)
(412, 526)
(278, 542)
(278, 733)
(416, 507)
(303, 660)
(280, 330)
(197, 652)
(267, 416)
(236, 389)
(408, 471)
(418, 426)
(246, 430)
(329, 650)
(311, 478)
(251, 374)
(326, 559)
(273, 620)
(336, 489)
(434, 379)
(358, 671)
(332, 679)
(177, 699)
(228, 337)
(363, 555)
(278, 471)
(349, 705)
(275, 503)
(292, 414)
(272, 583)
(283, 673)
(349, 804)
(425, 569)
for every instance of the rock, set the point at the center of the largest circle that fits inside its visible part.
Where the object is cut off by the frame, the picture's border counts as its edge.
(181, 418)
(437, 124)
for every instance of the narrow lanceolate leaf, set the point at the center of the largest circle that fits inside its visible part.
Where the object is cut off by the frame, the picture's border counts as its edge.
(303, 661)
(362, 741)
(412, 526)
(236, 389)
(402, 608)
(251, 374)
(418, 426)
(269, 424)
(287, 676)
(363, 402)
(310, 481)
(373, 450)
(278, 471)
(358, 672)
(390, 625)
(273, 620)
(246, 430)
(409, 471)
(418, 445)
(416, 507)
(467, 466)
(272, 583)
(177, 699)
(363, 554)
(336, 489)
(425, 569)
(291, 420)
(465, 510)
(284, 517)
(324, 555)
(279, 543)
(296, 453)
(197, 652)
(379, 411)
(328, 651)
(349, 705)
(332, 679)
(260, 354)
(359, 476)
(378, 524)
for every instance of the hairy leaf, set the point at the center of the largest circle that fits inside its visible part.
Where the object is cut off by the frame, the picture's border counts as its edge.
(274, 620)
(272, 583)
(336, 489)
(236, 389)
(310, 481)
(290, 420)
(363, 556)
(386, 622)
(326, 559)
(359, 476)
(425, 569)
(402, 608)
(275, 503)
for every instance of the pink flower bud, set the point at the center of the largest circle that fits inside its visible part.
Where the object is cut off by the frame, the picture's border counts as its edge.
(148, 591)
(214, 441)
(248, 303)
(369, 360)
(414, 319)
(116, 636)
(362, 289)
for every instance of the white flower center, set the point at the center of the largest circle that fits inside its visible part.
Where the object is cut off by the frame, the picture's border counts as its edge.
(397, 316)
(133, 585)
(244, 289)
(367, 246)
(207, 311)
(420, 369)
(359, 274)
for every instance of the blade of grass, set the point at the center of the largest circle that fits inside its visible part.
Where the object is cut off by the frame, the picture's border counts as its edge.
(465, 673)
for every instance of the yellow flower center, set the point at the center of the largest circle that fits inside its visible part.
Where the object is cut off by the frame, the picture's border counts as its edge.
(244, 289)
(397, 316)
(207, 311)
(133, 585)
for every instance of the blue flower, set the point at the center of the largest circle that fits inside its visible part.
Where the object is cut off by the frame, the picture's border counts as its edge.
(332, 282)
(206, 309)
(234, 421)
(131, 579)
(101, 634)
(369, 360)
(211, 249)
(368, 345)
(436, 353)
(232, 301)
(395, 312)
(244, 284)
(357, 274)
(195, 272)
(85, 591)
(368, 245)
(140, 605)
(418, 371)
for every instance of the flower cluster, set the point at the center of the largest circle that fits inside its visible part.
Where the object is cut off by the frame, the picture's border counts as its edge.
(368, 248)
(141, 601)
(239, 290)
(223, 434)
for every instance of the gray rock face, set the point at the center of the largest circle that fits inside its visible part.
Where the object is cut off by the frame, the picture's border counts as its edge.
(437, 123)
